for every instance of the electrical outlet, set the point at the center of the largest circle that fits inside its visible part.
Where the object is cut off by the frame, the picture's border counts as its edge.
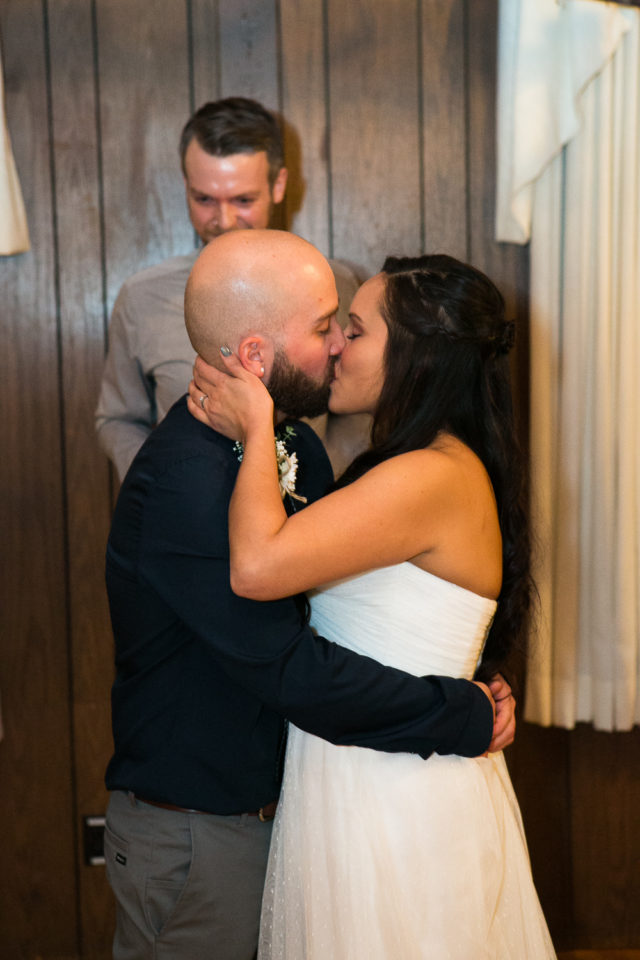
(93, 833)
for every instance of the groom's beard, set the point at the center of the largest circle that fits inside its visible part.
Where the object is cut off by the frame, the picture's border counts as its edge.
(294, 392)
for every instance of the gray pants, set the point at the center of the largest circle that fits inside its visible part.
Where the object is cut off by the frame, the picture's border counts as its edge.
(187, 886)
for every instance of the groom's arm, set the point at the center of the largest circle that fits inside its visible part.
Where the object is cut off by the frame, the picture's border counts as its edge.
(340, 695)
(320, 686)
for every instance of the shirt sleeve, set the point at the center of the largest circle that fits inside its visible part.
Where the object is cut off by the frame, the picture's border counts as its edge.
(125, 414)
(268, 649)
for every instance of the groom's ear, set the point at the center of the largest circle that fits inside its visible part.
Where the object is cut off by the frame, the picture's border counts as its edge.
(255, 353)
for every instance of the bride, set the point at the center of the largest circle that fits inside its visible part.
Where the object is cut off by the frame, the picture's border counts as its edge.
(420, 559)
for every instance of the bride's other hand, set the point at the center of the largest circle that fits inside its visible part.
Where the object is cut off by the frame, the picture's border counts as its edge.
(504, 728)
(231, 403)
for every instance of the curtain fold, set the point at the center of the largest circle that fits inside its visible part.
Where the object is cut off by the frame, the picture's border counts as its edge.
(14, 233)
(584, 220)
(547, 53)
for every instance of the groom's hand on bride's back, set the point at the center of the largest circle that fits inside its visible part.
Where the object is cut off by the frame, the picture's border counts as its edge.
(503, 702)
(504, 724)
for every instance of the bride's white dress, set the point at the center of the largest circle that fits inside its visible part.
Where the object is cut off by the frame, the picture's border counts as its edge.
(381, 856)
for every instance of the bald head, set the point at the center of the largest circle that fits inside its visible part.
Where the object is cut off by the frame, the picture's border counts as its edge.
(253, 282)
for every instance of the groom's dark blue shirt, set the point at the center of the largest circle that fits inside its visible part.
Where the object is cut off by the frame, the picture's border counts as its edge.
(204, 679)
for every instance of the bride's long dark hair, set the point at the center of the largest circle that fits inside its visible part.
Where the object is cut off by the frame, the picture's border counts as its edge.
(446, 369)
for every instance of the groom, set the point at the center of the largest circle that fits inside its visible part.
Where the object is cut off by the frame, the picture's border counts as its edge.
(204, 679)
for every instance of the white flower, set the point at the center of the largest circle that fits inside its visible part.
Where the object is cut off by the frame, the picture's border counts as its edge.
(287, 466)
(287, 471)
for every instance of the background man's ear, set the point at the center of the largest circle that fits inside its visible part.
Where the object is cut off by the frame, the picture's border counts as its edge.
(280, 185)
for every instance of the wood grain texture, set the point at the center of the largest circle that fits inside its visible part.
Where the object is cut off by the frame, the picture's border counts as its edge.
(205, 52)
(599, 955)
(37, 911)
(538, 763)
(605, 842)
(144, 103)
(92, 723)
(76, 155)
(374, 141)
(507, 264)
(304, 109)
(444, 135)
(249, 53)
(82, 332)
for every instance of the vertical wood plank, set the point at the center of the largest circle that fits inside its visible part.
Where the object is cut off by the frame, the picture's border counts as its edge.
(304, 108)
(144, 103)
(37, 899)
(374, 143)
(249, 41)
(87, 477)
(444, 113)
(507, 264)
(605, 791)
(538, 762)
(205, 36)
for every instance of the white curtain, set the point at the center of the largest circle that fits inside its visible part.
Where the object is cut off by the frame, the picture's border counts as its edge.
(573, 185)
(14, 235)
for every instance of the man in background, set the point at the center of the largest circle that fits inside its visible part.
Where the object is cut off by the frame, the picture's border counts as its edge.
(232, 161)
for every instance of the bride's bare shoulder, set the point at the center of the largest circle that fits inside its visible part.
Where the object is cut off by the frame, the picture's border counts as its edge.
(446, 460)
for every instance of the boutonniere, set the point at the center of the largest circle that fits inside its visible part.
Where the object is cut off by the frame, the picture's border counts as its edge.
(287, 465)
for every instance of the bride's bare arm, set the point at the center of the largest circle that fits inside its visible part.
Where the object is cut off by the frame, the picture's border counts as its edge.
(393, 513)
(379, 520)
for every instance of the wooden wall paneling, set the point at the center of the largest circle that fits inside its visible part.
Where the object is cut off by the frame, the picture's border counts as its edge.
(538, 762)
(250, 59)
(444, 115)
(205, 51)
(86, 471)
(500, 260)
(144, 102)
(304, 78)
(605, 806)
(249, 50)
(37, 899)
(374, 141)
(507, 264)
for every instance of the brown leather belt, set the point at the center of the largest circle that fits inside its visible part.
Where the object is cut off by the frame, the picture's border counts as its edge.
(264, 814)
